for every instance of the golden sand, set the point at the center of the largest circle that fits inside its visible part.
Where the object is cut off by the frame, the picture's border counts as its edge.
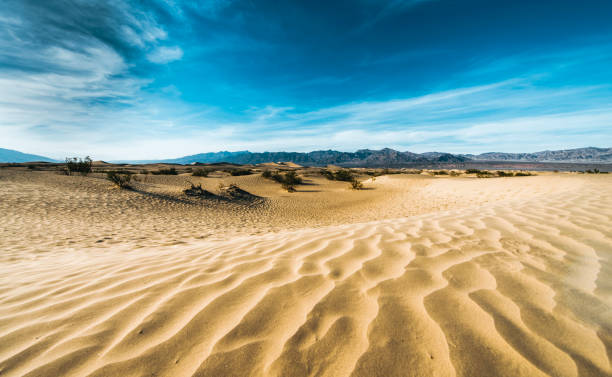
(417, 276)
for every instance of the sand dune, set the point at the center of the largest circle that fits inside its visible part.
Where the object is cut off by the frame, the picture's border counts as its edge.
(454, 277)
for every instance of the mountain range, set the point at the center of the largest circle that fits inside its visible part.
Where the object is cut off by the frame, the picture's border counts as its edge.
(364, 157)
(589, 154)
(389, 157)
(9, 155)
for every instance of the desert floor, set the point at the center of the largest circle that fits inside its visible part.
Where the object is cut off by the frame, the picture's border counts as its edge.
(414, 276)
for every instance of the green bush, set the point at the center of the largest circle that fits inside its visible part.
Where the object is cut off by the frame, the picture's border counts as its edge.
(78, 165)
(121, 180)
(501, 173)
(472, 171)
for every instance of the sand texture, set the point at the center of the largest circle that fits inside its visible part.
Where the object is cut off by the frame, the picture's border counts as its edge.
(417, 276)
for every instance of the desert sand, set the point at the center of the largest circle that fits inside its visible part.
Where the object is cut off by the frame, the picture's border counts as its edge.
(414, 276)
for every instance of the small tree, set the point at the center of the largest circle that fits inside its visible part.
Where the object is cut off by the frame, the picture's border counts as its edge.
(78, 165)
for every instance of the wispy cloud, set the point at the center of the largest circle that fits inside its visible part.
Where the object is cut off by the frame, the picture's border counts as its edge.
(163, 54)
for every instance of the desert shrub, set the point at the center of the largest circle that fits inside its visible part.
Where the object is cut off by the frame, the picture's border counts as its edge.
(344, 175)
(276, 177)
(594, 171)
(472, 171)
(440, 172)
(327, 174)
(356, 185)
(237, 172)
(341, 175)
(523, 174)
(144, 171)
(200, 173)
(484, 174)
(32, 167)
(287, 180)
(288, 186)
(292, 178)
(501, 173)
(78, 165)
(198, 190)
(454, 173)
(121, 180)
(171, 171)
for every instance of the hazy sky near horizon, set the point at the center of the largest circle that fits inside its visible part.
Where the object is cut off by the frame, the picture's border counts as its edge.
(150, 79)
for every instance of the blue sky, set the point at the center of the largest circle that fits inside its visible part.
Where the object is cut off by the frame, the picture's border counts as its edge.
(164, 78)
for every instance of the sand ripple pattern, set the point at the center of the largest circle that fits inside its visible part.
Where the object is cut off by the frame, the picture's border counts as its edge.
(511, 289)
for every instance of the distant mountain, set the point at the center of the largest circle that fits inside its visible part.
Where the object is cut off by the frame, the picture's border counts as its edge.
(9, 155)
(585, 155)
(363, 157)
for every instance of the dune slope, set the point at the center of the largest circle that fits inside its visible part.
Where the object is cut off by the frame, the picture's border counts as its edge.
(514, 287)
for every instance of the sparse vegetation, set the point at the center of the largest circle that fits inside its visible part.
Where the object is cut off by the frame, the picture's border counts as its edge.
(472, 171)
(288, 186)
(341, 175)
(454, 173)
(287, 180)
(170, 171)
(292, 178)
(501, 173)
(440, 172)
(522, 174)
(121, 180)
(78, 165)
(237, 172)
(200, 173)
(197, 190)
(484, 174)
(356, 185)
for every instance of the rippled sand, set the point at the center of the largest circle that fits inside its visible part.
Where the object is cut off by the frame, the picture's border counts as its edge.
(451, 277)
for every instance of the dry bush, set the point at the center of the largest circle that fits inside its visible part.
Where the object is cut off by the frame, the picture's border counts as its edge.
(356, 185)
(201, 173)
(78, 165)
(121, 180)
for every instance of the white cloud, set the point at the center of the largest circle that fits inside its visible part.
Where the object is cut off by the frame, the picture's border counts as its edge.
(163, 55)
